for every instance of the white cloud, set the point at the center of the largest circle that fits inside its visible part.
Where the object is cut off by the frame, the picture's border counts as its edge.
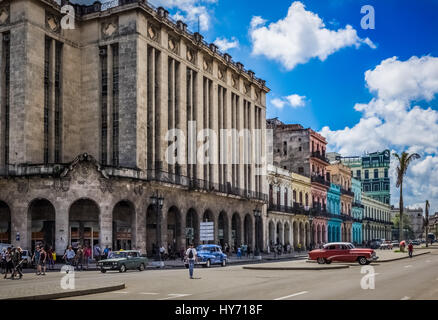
(300, 36)
(189, 11)
(293, 100)
(393, 120)
(225, 44)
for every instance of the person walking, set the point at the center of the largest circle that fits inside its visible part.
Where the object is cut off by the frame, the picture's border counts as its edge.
(3, 260)
(79, 258)
(36, 260)
(17, 262)
(410, 249)
(87, 255)
(97, 252)
(50, 261)
(69, 256)
(106, 252)
(192, 257)
(43, 261)
(8, 260)
(239, 253)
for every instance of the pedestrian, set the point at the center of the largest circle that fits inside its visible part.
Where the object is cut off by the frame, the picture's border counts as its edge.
(162, 253)
(17, 262)
(8, 260)
(299, 247)
(50, 261)
(191, 258)
(239, 253)
(97, 252)
(410, 249)
(3, 260)
(106, 252)
(36, 260)
(43, 261)
(69, 255)
(248, 252)
(79, 258)
(87, 255)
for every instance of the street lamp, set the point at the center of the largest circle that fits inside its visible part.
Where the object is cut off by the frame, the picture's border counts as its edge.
(157, 202)
(257, 215)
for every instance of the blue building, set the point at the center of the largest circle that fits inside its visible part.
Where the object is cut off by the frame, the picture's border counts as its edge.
(334, 207)
(357, 211)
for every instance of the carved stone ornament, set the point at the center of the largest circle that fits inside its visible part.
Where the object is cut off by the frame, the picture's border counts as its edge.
(220, 74)
(106, 185)
(109, 29)
(52, 23)
(173, 45)
(153, 33)
(247, 88)
(207, 65)
(4, 15)
(61, 184)
(138, 189)
(190, 55)
(84, 170)
(23, 186)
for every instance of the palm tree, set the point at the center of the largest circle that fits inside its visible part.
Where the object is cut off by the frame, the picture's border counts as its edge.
(403, 163)
(426, 222)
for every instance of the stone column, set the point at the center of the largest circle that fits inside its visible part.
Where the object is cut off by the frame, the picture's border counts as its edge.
(106, 226)
(21, 224)
(181, 85)
(162, 110)
(182, 239)
(140, 228)
(62, 226)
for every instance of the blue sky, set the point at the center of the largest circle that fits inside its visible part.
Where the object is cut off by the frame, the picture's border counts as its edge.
(394, 107)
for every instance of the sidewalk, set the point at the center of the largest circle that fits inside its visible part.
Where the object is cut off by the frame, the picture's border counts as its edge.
(33, 287)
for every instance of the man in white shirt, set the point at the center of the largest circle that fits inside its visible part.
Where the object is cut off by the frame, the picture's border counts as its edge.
(191, 255)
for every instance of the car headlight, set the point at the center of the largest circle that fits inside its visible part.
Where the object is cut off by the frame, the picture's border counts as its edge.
(114, 263)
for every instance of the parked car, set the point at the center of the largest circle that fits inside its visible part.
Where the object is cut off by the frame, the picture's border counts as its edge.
(395, 244)
(123, 260)
(375, 243)
(387, 245)
(209, 254)
(416, 242)
(342, 252)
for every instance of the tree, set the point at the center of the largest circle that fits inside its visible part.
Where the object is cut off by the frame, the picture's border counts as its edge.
(403, 163)
(426, 222)
(406, 223)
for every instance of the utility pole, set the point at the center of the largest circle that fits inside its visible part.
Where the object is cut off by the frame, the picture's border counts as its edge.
(426, 222)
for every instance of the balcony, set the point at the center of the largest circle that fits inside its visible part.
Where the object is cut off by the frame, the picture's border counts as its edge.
(318, 155)
(288, 209)
(320, 180)
(347, 192)
(358, 205)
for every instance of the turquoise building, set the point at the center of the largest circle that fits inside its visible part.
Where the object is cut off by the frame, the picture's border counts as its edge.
(357, 211)
(334, 208)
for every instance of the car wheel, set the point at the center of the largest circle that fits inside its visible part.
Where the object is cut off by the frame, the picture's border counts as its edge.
(328, 261)
(141, 268)
(122, 268)
(362, 261)
(224, 263)
(208, 264)
(320, 260)
(102, 270)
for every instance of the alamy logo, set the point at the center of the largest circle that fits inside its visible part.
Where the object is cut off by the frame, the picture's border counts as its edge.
(68, 281)
(368, 281)
(369, 19)
(68, 21)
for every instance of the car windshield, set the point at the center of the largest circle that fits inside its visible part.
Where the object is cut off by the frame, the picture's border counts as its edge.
(117, 255)
(206, 249)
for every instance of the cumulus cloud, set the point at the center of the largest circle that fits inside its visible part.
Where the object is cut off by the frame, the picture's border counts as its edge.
(299, 37)
(293, 100)
(189, 11)
(225, 44)
(392, 119)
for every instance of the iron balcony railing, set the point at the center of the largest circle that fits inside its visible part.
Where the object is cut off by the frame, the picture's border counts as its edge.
(318, 155)
(358, 205)
(288, 209)
(378, 220)
(347, 192)
(320, 180)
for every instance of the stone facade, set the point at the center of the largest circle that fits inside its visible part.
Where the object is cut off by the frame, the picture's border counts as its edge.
(83, 144)
(376, 220)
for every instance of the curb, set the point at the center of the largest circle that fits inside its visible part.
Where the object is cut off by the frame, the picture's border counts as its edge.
(69, 294)
(401, 258)
(297, 268)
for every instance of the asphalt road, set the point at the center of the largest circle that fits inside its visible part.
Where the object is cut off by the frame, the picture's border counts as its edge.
(407, 279)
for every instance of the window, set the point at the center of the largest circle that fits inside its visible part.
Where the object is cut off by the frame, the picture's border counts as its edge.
(358, 174)
(285, 148)
(386, 173)
(300, 170)
(6, 79)
(367, 174)
(104, 105)
(115, 105)
(376, 173)
(47, 90)
(300, 149)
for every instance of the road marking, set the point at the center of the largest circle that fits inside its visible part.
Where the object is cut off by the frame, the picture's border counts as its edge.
(123, 292)
(405, 298)
(292, 295)
(175, 295)
(408, 266)
(148, 293)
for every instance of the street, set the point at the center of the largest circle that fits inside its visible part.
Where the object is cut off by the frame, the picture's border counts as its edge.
(407, 279)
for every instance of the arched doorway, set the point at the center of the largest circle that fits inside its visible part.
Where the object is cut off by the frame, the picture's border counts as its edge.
(302, 235)
(223, 228)
(295, 234)
(192, 228)
(271, 233)
(279, 235)
(5, 223)
(173, 230)
(151, 231)
(41, 222)
(84, 223)
(208, 217)
(247, 231)
(286, 233)
(123, 218)
(236, 237)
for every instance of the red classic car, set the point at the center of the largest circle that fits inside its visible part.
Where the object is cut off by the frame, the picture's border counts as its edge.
(342, 252)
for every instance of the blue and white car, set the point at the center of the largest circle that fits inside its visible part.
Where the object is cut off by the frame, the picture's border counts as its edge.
(209, 254)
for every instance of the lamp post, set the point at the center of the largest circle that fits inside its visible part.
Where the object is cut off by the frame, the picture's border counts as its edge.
(157, 202)
(257, 215)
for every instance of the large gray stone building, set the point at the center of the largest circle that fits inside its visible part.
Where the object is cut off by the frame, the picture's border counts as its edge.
(84, 116)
